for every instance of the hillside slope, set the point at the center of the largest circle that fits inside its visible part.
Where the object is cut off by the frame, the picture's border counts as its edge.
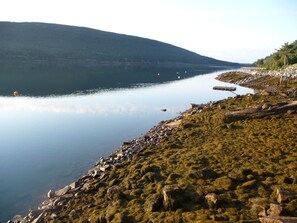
(52, 42)
(39, 59)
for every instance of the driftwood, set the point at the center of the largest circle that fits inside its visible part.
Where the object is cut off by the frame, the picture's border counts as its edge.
(197, 106)
(224, 88)
(274, 109)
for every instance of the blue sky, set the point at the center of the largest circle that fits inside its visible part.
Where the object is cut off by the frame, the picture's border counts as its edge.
(232, 30)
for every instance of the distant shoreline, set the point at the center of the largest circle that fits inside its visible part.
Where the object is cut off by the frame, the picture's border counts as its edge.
(95, 63)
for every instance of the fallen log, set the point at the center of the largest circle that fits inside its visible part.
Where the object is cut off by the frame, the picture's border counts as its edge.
(224, 88)
(275, 109)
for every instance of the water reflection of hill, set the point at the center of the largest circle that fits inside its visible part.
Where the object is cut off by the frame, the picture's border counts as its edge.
(47, 80)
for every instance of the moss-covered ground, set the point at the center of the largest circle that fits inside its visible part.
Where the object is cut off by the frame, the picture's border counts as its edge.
(243, 159)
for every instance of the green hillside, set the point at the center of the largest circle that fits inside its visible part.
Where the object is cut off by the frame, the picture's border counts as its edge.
(285, 55)
(31, 42)
(39, 59)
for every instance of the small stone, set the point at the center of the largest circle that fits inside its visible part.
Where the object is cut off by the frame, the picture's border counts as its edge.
(17, 218)
(265, 106)
(249, 184)
(54, 216)
(38, 219)
(34, 213)
(290, 112)
(104, 168)
(213, 200)
(283, 195)
(77, 194)
(265, 93)
(275, 210)
(96, 173)
(73, 185)
(50, 194)
(224, 183)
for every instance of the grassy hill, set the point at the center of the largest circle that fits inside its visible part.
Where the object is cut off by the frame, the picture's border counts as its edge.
(29, 42)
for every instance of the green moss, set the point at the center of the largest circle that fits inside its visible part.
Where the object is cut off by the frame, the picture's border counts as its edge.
(240, 159)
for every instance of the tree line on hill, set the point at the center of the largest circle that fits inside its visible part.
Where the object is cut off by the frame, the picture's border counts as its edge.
(284, 56)
(59, 44)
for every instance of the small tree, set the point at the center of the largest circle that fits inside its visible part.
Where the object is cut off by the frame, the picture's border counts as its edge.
(260, 63)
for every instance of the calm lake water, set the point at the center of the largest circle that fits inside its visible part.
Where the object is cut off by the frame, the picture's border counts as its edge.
(48, 142)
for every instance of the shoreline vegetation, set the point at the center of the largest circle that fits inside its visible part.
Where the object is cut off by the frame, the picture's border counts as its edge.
(233, 160)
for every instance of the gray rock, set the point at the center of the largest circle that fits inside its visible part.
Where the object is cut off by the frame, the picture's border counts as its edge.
(62, 191)
(39, 218)
(74, 185)
(50, 194)
(54, 216)
(104, 168)
(16, 219)
(96, 173)
(34, 213)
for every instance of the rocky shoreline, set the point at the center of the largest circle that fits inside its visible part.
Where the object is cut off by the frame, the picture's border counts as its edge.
(172, 199)
(56, 199)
